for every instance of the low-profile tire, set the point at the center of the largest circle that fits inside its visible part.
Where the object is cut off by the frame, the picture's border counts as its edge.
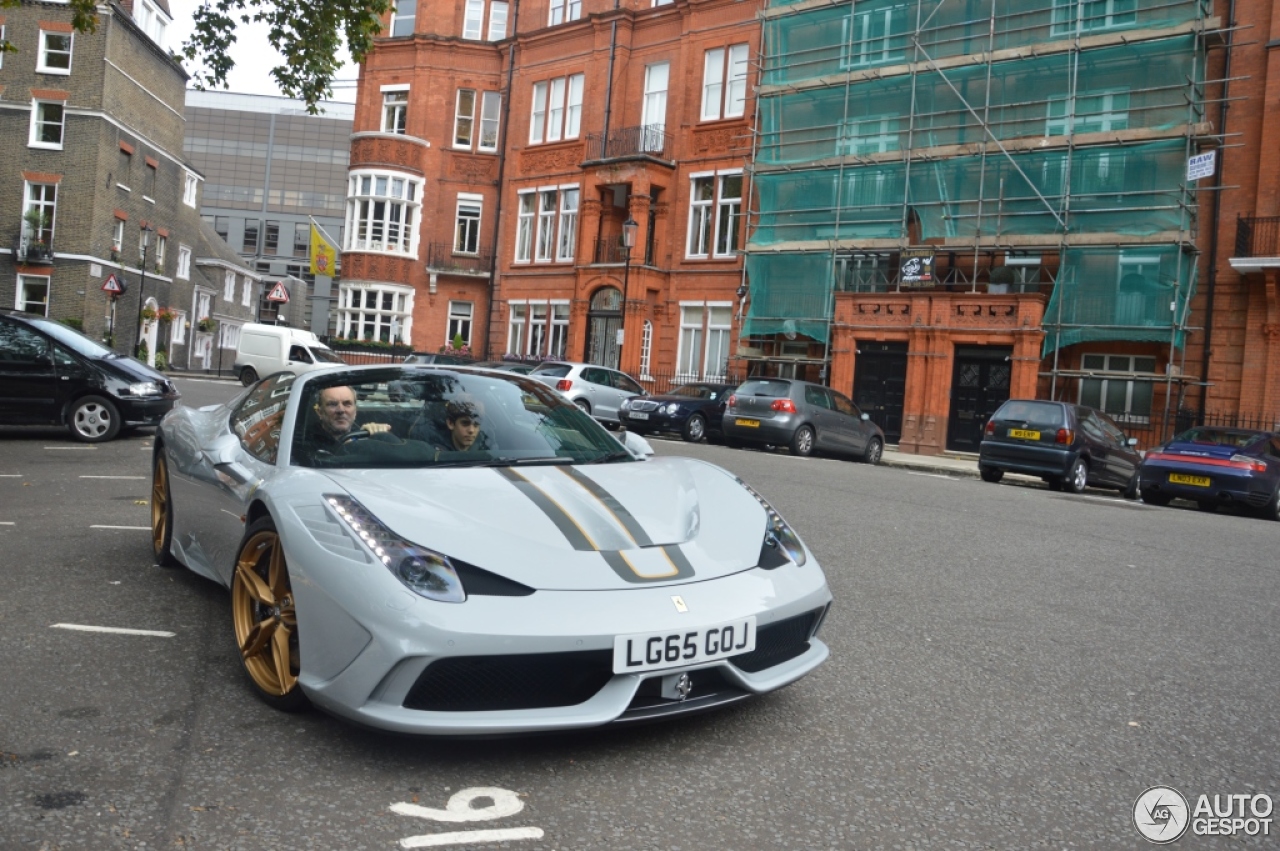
(161, 512)
(1077, 477)
(264, 618)
(991, 474)
(875, 451)
(248, 375)
(1157, 499)
(802, 441)
(93, 419)
(695, 428)
(1133, 490)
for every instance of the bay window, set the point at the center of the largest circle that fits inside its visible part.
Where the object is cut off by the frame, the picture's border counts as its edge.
(374, 311)
(382, 212)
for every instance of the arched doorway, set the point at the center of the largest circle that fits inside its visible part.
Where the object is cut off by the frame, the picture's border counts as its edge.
(604, 321)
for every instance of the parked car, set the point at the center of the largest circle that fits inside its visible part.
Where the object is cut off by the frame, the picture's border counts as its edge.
(1214, 467)
(802, 416)
(438, 358)
(558, 579)
(694, 411)
(51, 374)
(1069, 446)
(268, 349)
(518, 367)
(595, 389)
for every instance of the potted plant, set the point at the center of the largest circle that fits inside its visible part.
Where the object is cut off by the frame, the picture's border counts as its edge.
(206, 325)
(149, 314)
(37, 222)
(1001, 278)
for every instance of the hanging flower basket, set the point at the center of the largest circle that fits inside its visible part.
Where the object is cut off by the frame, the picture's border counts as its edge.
(149, 314)
(206, 326)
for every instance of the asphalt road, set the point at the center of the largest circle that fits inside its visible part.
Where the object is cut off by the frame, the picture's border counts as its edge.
(1011, 668)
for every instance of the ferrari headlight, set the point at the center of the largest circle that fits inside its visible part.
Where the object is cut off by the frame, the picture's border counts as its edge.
(424, 572)
(779, 539)
(144, 388)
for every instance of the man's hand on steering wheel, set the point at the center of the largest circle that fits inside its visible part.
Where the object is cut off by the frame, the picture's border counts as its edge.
(353, 436)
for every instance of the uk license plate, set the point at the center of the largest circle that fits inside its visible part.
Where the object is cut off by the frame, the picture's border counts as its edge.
(1024, 434)
(747, 423)
(637, 415)
(1184, 479)
(652, 651)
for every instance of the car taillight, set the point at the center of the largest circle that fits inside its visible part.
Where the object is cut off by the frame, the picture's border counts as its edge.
(733, 400)
(1065, 436)
(564, 384)
(1248, 463)
(991, 427)
(784, 405)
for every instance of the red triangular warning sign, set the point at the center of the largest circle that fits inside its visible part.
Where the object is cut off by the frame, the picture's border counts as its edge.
(112, 285)
(278, 293)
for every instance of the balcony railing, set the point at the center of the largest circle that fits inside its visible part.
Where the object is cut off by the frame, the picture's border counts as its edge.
(33, 251)
(612, 251)
(1258, 237)
(650, 139)
(441, 257)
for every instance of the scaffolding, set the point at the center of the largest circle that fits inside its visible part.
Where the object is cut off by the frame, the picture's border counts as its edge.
(983, 129)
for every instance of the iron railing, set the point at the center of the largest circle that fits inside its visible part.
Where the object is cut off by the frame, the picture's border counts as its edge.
(31, 250)
(442, 257)
(1257, 237)
(611, 251)
(647, 139)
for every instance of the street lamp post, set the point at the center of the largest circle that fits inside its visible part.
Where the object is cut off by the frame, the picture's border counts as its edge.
(628, 241)
(147, 230)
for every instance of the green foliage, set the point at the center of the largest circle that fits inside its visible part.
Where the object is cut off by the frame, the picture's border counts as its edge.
(162, 359)
(310, 34)
(142, 351)
(84, 18)
(77, 324)
(458, 342)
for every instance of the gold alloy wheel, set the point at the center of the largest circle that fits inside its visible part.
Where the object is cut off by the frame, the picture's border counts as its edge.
(159, 505)
(262, 608)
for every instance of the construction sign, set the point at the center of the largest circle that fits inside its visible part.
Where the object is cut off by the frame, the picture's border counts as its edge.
(278, 293)
(112, 286)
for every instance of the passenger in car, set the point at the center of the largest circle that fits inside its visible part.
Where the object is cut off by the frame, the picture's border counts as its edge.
(462, 419)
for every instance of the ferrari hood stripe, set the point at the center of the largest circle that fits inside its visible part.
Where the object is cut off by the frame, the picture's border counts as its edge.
(656, 564)
(625, 518)
(555, 512)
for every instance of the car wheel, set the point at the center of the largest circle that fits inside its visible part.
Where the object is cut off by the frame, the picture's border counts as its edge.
(1271, 510)
(991, 474)
(1077, 478)
(695, 428)
(875, 449)
(802, 441)
(583, 404)
(161, 512)
(265, 618)
(1154, 498)
(1134, 489)
(248, 375)
(94, 419)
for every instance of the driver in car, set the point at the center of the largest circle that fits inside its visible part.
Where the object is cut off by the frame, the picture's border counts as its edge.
(336, 408)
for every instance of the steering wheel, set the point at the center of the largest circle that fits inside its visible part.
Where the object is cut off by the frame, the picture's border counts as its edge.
(354, 436)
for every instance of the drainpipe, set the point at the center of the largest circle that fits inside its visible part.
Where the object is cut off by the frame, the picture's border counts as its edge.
(1211, 284)
(502, 167)
(608, 86)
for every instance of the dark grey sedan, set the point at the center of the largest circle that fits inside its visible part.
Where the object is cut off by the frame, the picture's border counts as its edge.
(804, 417)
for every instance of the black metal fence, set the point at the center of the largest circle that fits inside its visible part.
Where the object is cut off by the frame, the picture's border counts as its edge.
(610, 251)
(1257, 237)
(651, 139)
(442, 257)
(1156, 429)
(662, 382)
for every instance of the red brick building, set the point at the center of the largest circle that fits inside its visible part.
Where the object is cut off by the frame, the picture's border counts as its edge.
(496, 158)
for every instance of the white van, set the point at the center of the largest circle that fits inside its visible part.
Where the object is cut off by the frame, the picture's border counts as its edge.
(267, 349)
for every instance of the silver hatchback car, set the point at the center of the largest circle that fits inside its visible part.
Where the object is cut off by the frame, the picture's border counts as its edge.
(802, 416)
(595, 389)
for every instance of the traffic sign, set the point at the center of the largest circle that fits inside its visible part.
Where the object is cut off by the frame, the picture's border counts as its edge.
(278, 293)
(112, 285)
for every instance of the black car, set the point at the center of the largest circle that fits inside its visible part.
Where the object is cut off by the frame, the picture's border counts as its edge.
(693, 410)
(51, 374)
(1069, 446)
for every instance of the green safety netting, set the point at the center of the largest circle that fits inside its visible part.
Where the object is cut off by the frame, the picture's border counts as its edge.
(876, 33)
(1136, 293)
(1131, 189)
(1129, 86)
(793, 295)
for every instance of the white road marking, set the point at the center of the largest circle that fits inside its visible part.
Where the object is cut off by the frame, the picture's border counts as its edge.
(468, 837)
(79, 627)
(459, 809)
(86, 448)
(11, 475)
(6, 522)
(130, 528)
(934, 476)
(113, 477)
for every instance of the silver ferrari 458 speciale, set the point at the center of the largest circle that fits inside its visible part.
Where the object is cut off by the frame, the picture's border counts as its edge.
(457, 551)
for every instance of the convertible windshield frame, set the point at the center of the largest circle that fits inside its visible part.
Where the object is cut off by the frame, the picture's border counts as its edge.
(421, 417)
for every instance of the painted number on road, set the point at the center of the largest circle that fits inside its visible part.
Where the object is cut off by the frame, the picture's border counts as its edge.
(461, 808)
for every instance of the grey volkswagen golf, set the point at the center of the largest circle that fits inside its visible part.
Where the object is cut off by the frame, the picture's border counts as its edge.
(802, 416)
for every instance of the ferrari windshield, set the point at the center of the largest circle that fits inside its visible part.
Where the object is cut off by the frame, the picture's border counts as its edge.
(438, 416)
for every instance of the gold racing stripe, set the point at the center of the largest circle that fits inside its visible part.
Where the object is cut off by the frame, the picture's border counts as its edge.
(564, 521)
(624, 518)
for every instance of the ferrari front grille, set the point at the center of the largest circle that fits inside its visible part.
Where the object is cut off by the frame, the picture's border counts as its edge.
(778, 642)
(496, 683)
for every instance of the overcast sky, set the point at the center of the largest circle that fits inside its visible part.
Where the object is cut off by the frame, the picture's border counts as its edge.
(253, 54)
